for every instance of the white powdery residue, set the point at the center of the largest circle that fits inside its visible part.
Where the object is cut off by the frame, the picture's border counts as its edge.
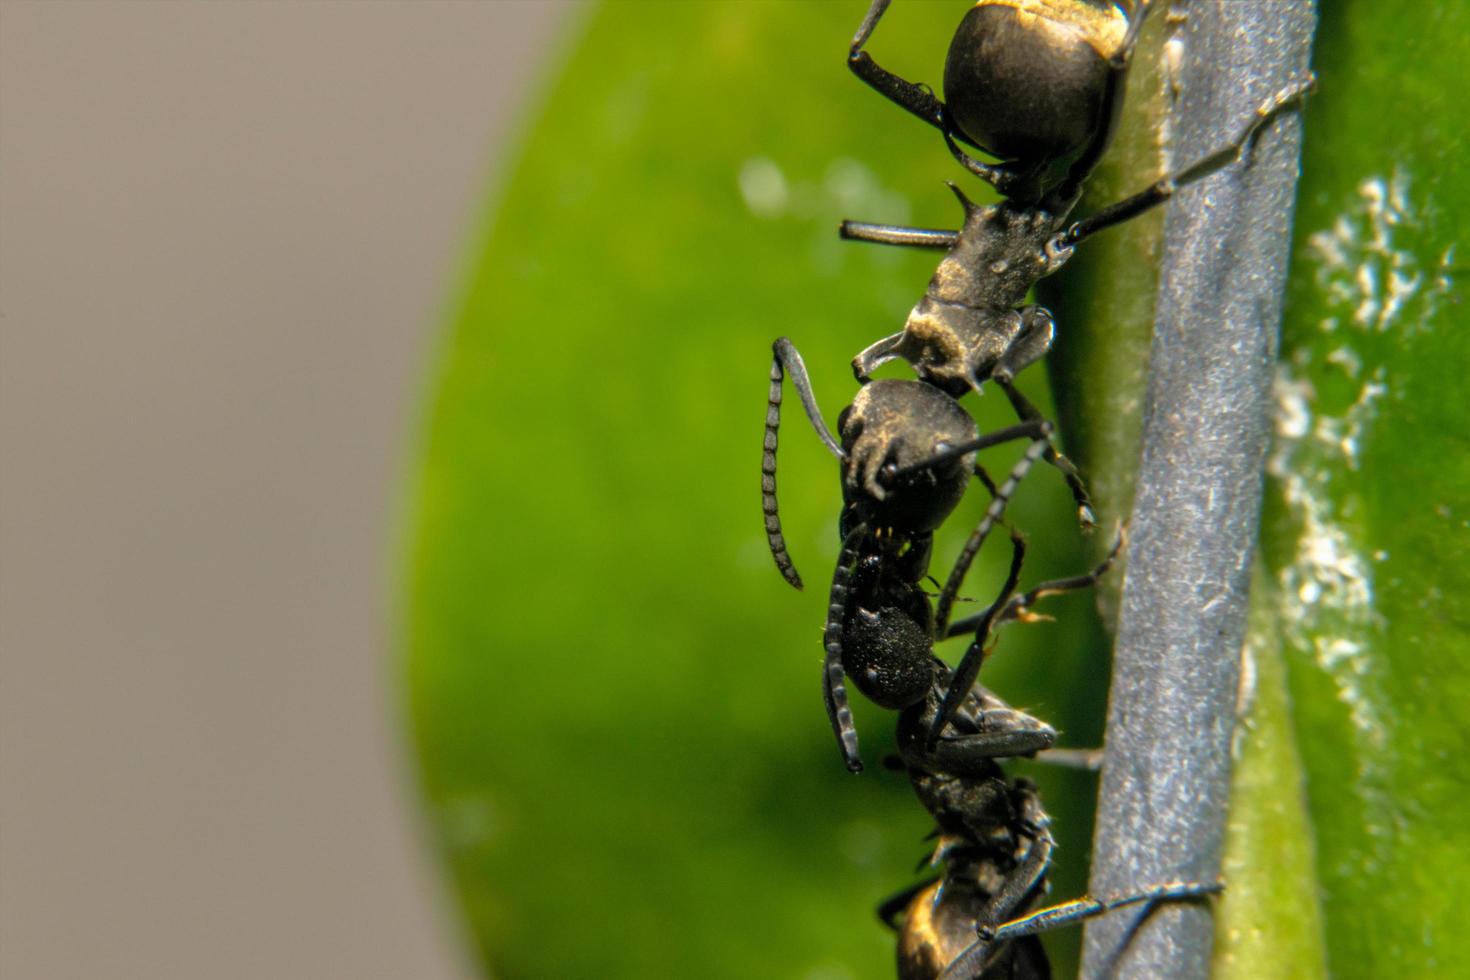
(1364, 276)
(1326, 590)
(1293, 416)
(1343, 433)
(1347, 359)
(1359, 415)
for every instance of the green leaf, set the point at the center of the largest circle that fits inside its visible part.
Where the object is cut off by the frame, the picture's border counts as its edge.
(1368, 536)
(614, 697)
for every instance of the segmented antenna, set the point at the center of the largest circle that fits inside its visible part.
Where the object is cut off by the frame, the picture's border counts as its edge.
(786, 358)
(775, 540)
(834, 690)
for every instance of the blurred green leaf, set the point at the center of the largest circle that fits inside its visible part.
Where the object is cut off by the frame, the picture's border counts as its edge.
(615, 698)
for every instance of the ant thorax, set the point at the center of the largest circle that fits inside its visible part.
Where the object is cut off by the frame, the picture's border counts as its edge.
(969, 317)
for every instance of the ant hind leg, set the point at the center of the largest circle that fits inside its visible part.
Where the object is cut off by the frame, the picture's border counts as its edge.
(1028, 412)
(1166, 187)
(1084, 908)
(916, 98)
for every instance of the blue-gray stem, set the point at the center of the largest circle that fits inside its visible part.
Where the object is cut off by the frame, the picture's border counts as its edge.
(1196, 516)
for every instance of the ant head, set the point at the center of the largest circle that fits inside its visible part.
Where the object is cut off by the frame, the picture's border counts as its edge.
(888, 655)
(1027, 80)
(890, 431)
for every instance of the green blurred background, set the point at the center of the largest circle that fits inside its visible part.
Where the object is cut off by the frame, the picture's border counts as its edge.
(614, 697)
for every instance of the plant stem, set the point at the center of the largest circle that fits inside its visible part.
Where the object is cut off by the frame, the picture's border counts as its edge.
(1196, 514)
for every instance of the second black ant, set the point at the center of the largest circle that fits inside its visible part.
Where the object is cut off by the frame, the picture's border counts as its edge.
(907, 452)
(978, 918)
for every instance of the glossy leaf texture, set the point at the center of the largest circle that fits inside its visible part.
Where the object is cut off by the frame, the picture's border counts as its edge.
(615, 699)
(1368, 537)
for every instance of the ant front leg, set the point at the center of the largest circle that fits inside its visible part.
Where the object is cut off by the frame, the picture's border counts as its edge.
(870, 358)
(1166, 187)
(1007, 734)
(1029, 346)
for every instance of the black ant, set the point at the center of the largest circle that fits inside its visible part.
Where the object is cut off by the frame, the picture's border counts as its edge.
(907, 454)
(977, 919)
(1038, 84)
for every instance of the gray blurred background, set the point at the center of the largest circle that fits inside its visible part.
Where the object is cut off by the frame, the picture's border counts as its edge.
(228, 237)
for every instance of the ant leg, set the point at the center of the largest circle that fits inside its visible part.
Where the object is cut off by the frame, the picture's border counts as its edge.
(964, 675)
(787, 357)
(862, 231)
(916, 98)
(1023, 883)
(1086, 907)
(870, 358)
(1030, 344)
(1039, 433)
(1005, 181)
(1030, 413)
(1033, 430)
(1112, 102)
(1019, 606)
(834, 691)
(1008, 733)
(986, 481)
(1165, 187)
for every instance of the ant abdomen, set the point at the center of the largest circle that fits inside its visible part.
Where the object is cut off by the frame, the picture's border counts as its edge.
(1027, 80)
(888, 655)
